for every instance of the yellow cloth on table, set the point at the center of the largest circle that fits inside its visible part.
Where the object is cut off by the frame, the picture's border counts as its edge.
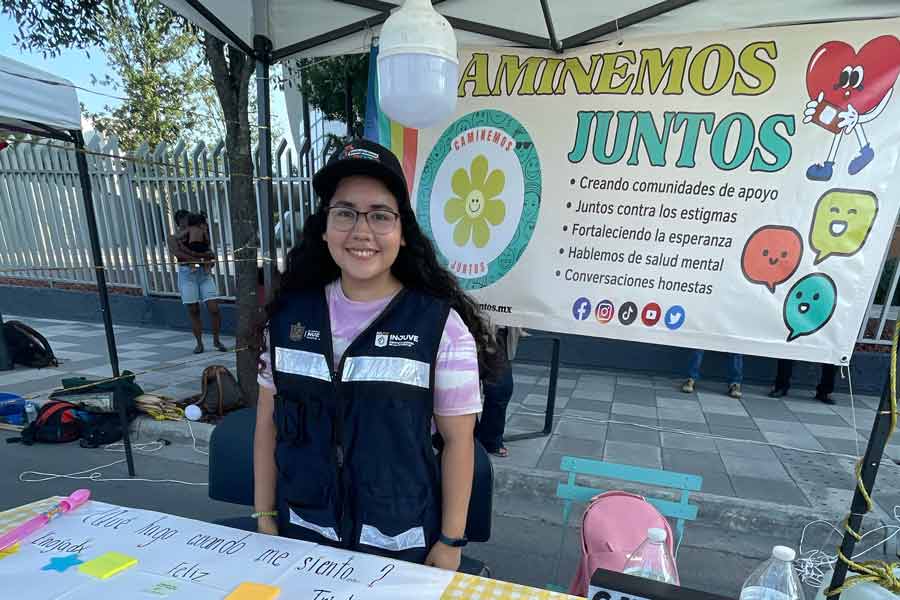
(470, 587)
(107, 565)
(254, 591)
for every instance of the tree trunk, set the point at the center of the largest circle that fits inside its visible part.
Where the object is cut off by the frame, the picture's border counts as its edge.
(232, 78)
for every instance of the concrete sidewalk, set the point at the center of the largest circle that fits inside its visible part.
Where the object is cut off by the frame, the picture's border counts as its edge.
(769, 466)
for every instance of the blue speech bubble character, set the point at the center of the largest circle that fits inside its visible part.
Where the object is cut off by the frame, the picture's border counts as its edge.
(809, 305)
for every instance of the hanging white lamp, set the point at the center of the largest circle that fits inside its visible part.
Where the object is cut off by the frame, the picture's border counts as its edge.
(417, 66)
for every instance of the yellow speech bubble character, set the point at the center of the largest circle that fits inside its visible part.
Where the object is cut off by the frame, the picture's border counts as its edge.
(842, 222)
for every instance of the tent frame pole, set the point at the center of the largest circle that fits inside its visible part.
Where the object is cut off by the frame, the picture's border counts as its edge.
(100, 273)
(881, 431)
(263, 55)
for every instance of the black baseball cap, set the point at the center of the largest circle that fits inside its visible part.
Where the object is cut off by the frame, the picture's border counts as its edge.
(362, 157)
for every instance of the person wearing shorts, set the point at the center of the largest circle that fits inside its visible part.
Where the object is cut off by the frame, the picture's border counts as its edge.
(195, 281)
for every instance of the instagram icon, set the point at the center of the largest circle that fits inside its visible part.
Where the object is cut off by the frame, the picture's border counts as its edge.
(605, 312)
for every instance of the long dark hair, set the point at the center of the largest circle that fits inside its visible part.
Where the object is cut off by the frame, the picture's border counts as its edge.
(310, 267)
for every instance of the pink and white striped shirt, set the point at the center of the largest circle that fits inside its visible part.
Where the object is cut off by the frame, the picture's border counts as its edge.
(457, 390)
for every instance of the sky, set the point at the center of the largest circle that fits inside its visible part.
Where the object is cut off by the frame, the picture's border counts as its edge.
(75, 66)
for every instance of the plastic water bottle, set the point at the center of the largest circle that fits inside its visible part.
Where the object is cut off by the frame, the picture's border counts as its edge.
(30, 412)
(652, 559)
(774, 579)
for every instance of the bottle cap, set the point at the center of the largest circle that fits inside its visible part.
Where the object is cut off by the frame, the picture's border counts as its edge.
(655, 534)
(784, 553)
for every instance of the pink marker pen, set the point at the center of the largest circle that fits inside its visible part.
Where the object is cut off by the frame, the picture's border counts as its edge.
(73, 501)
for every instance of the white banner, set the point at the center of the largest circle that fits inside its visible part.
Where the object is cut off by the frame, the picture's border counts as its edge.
(733, 191)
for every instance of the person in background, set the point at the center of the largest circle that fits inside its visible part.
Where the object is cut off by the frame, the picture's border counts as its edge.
(735, 373)
(783, 381)
(190, 246)
(492, 423)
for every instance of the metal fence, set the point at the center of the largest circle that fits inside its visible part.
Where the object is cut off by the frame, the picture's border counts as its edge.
(43, 235)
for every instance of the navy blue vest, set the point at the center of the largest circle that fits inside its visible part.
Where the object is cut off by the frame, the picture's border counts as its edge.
(356, 468)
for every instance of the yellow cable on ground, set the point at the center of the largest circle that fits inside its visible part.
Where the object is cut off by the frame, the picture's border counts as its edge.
(873, 571)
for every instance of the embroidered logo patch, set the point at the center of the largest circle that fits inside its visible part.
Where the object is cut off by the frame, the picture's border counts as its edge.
(381, 339)
(297, 331)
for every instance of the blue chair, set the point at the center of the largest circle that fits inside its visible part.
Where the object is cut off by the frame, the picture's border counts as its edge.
(680, 511)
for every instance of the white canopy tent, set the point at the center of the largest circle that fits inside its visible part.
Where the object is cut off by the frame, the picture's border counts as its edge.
(38, 103)
(306, 28)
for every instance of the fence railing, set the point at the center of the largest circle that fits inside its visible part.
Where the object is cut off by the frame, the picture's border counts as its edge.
(43, 233)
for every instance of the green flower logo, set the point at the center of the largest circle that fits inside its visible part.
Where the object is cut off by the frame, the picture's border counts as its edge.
(476, 203)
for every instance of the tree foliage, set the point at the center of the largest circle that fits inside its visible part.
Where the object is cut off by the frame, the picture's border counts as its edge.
(323, 82)
(160, 73)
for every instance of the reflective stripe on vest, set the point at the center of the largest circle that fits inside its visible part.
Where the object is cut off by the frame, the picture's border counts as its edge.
(327, 532)
(301, 362)
(413, 538)
(390, 369)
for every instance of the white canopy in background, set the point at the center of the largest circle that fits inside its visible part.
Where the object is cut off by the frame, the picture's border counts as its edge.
(30, 97)
(331, 27)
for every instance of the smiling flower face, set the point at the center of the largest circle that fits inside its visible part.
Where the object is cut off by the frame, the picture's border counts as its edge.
(476, 203)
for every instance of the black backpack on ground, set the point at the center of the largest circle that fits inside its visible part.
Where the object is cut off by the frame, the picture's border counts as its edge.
(56, 422)
(27, 347)
(100, 430)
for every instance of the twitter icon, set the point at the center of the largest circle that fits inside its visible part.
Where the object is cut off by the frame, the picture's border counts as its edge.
(675, 317)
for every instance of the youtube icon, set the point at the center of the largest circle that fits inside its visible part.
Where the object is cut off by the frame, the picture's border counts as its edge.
(651, 314)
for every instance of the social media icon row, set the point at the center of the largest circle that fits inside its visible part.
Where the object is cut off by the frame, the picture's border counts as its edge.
(650, 315)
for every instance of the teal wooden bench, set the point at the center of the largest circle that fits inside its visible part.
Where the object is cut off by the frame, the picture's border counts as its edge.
(571, 492)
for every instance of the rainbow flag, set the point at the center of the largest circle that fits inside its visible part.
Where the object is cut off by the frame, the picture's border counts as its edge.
(401, 140)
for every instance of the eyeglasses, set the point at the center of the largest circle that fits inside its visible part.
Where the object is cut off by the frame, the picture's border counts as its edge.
(381, 221)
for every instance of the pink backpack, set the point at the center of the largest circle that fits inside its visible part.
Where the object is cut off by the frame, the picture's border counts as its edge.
(613, 526)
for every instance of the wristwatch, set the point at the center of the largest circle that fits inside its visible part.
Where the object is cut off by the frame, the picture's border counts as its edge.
(453, 542)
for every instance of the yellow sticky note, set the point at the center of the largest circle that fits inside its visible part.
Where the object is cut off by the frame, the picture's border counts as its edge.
(254, 591)
(9, 551)
(107, 565)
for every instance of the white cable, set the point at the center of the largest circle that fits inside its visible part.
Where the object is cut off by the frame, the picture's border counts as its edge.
(96, 475)
(194, 439)
(853, 411)
(810, 563)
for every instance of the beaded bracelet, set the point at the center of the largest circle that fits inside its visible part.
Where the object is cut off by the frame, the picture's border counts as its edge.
(264, 513)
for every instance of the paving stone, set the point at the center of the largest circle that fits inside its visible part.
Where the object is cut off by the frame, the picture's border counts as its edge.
(573, 428)
(776, 426)
(592, 405)
(575, 446)
(634, 410)
(731, 409)
(524, 424)
(628, 433)
(716, 419)
(539, 401)
(827, 431)
(795, 440)
(625, 380)
(809, 406)
(842, 446)
(645, 396)
(719, 484)
(741, 466)
(687, 442)
(832, 420)
(694, 415)
(769, 490)
(677, 402)
(749, 450)
(774, 410)
(684, 426)
(561, 383)
(740, 433)
(691, 462)
(605, 394)
(526, 453)
(629, 453)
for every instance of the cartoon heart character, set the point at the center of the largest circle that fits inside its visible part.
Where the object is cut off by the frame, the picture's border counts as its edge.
(846, 90)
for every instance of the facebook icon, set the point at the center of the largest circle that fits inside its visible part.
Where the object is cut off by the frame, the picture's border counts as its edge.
(581, 310)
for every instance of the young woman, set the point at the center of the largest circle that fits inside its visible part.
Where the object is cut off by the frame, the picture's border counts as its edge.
(373, 344)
